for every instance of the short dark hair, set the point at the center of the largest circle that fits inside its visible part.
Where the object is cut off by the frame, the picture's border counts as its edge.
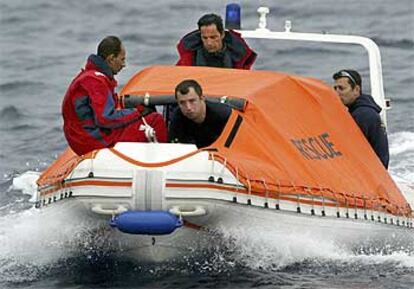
(209, 19)
(109, 45)
(184, 87)
(354, 78)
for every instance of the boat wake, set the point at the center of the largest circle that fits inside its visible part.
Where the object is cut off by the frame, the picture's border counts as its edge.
(272, 251)
(33, 241)
(402, 162)
(401, 143)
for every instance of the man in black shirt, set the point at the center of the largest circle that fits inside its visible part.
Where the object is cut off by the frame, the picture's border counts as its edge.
(196, 120)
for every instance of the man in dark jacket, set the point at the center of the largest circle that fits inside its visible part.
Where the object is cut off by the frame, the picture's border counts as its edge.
(364, 110)
(93, 117)
(196, 120)
(211, 46)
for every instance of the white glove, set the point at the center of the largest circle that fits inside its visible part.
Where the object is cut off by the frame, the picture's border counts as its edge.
(149, 131)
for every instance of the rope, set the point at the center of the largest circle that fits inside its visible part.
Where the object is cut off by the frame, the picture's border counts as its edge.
(148, 131)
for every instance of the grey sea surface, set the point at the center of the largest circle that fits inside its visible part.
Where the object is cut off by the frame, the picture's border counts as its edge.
(44, 44)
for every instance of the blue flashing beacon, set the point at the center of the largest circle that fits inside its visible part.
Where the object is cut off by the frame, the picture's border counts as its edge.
(233, 16)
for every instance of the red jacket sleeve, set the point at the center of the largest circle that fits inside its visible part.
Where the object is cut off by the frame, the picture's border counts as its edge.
(103, 104)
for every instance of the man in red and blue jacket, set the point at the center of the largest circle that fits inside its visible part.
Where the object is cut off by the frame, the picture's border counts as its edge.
(93, 117)
(211, 46)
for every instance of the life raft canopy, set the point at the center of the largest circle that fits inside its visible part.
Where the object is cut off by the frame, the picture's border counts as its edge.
(294, 136)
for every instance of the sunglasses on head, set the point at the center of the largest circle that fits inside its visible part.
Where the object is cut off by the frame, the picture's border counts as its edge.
(344, 73)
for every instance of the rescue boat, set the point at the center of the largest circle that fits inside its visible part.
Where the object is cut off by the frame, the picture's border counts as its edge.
(290, 158)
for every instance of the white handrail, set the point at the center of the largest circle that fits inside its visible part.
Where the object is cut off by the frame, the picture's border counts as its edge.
(100, 209)
(185, 212)
(374, 55)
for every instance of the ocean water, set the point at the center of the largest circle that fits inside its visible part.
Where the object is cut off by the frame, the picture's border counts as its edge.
(44, 44)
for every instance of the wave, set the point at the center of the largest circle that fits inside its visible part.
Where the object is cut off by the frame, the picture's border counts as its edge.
(18, 84)
(74, 250)
(310, 51)
(396, 99)
(269, 250)
(401, 146)
(133, 37)
(401, 43)
(401, 142)
(20, 127)
(27, 235)
(10, 113)
(10, 20)
(26, 183)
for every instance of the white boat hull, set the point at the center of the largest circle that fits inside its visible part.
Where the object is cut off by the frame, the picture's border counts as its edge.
(229, 221)
(190, 189)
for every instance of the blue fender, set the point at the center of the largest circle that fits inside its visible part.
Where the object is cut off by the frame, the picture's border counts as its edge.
(146, 222)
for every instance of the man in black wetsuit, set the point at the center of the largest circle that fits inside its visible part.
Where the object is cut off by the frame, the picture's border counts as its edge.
(364, 111)
(196, 120)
